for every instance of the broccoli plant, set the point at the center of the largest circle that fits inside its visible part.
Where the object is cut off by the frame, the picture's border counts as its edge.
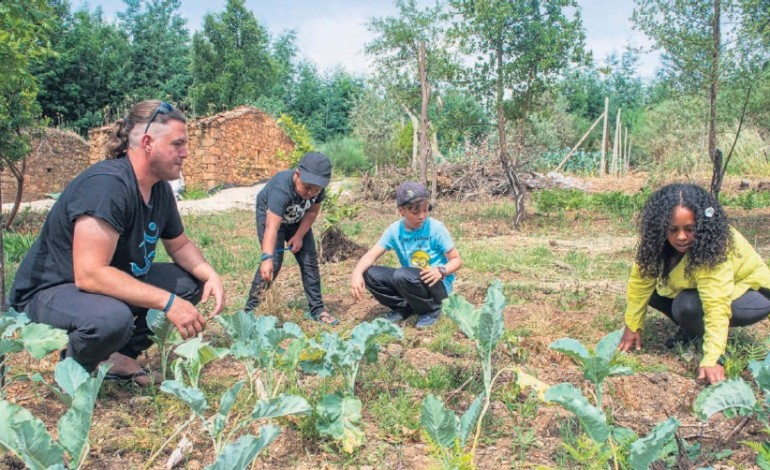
(447, 433)
(597, 366)
(735, 397)
(194, 354)
(25, 435)
(19, 334)
(165, 336)
(262, 347)
(339, 414)
(485, 326)
(615, 441)
(221, 426)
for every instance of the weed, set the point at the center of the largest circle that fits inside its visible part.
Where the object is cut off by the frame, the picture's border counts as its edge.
(396, 414)
(192, 193)
(16, 245)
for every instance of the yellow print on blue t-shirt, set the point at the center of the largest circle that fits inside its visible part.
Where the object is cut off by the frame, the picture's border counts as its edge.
(420, 259)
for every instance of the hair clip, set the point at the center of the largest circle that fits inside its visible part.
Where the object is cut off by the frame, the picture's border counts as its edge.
(709, 212)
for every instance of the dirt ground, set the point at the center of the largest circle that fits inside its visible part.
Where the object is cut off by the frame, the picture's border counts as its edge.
(127, 420)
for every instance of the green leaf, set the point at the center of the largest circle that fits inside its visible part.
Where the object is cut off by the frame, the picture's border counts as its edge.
(647, 449)
(192, 396)
(592, 418)
(11, 321)
(733, 395)
(461, 312)
(468, 421)
(8, 346)
(70, 375)
(339, 417)
(241, 453)
(621, 370)
(282, 405)
(440, 423)
(26, 436)
(491, 326)
(41, 340)
(596, 369)
(761, 373)
(165, 332)
(608, 345)
(572, 348)
(228, 398)
(75, 426)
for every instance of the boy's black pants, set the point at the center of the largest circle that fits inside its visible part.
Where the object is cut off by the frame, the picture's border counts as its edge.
(402, 290)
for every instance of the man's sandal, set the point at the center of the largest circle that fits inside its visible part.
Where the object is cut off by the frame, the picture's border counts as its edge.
(126, 379)
(323, 317)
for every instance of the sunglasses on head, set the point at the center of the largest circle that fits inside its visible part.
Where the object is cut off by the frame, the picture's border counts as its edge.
(163, 108)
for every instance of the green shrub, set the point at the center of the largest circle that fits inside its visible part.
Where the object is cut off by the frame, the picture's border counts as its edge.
(16, 245)
(299, 134)
(347, 155)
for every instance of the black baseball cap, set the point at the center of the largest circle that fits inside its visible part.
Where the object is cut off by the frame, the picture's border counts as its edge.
(315, 168)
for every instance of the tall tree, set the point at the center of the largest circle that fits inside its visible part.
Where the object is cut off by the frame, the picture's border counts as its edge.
(231, 64)
(698, 50)
(24, 29)
(522, 47)
(160, 50)
(411, 56)
(86, 75)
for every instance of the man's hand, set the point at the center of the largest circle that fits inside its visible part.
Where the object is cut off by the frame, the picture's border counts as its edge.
(214, 287)
(186, 318)
(713, 374)
(430, 276)
(357, 287)
(630, 340)
(295, 243)
(266, 270)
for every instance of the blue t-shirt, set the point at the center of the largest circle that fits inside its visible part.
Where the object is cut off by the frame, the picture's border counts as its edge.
(426, 246)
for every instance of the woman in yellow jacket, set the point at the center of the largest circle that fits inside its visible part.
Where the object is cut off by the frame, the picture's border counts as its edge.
(697, 270)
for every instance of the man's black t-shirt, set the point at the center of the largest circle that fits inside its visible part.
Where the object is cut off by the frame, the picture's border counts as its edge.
(109, 191)
(282, 199)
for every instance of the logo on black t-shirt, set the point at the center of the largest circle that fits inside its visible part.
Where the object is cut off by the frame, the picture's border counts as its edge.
(149, 242)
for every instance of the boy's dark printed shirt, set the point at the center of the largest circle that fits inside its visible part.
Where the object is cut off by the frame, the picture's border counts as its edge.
(280, 197)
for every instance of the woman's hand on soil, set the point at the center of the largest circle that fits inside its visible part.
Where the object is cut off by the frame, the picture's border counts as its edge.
(630, 340)
(713, 374)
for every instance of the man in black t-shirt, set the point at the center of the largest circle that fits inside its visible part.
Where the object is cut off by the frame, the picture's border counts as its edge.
(286, 208)
(91, 269)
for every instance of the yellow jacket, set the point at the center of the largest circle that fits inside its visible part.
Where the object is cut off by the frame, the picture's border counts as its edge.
(717, 288)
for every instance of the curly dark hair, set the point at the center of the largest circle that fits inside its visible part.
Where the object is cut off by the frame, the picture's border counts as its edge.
(712, 232)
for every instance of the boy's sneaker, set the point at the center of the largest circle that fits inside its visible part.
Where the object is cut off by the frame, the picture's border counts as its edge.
(681, 337)
(426, 320)
(395, 317)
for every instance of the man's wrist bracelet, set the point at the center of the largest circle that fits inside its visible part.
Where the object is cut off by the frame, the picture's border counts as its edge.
(169, 303)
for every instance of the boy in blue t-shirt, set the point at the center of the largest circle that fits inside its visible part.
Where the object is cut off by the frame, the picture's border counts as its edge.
(428, 258)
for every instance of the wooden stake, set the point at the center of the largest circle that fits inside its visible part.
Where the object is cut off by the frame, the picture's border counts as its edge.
(604, 136)
(578, 144)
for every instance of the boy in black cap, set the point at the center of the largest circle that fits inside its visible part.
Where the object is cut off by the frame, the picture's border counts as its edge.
(286, 208)
(428, 258)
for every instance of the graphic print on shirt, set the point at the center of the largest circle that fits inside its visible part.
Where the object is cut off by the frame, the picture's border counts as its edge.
(149, 242)
(420, 259)
(295, 212)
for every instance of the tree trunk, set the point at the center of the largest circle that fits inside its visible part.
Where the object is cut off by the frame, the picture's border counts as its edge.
(19, 175)
(2, 280)
(424, 142)
(517, 189)
(716, 180)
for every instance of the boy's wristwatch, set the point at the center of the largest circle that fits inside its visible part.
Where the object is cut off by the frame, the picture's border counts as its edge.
(442, 270)
(266, 256)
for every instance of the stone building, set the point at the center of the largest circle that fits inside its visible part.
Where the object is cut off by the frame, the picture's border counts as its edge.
(239, 147)
(57, 156)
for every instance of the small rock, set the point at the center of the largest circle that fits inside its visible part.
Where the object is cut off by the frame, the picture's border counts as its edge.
(764, 186)
(138, 401)
(744, 184)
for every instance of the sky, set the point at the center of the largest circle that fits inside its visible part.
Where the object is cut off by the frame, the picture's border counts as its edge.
(332, 33)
